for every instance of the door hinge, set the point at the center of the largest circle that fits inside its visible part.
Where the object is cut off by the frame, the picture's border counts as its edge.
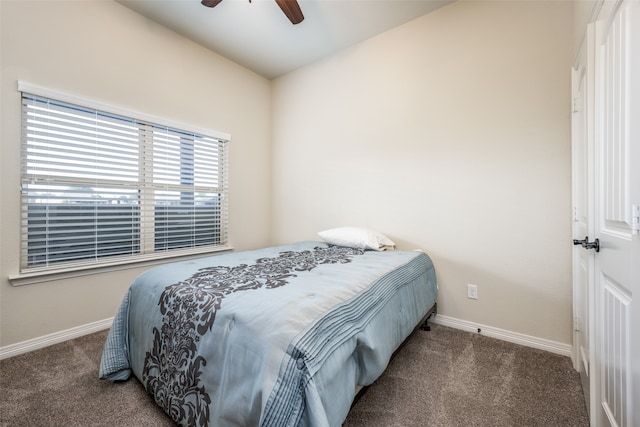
(574, 106)
(635, 219)
(576, 323)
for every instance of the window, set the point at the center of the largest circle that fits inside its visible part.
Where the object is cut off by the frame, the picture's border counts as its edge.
(99, 187)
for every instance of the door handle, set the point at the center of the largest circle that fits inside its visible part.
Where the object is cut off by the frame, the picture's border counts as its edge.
(587, 244)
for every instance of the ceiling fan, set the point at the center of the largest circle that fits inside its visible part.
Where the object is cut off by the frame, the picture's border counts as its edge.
(291, 8)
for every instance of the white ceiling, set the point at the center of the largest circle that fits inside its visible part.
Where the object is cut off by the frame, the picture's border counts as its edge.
(259, 36)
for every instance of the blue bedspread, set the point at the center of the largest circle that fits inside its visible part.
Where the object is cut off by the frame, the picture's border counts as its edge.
(273, 337)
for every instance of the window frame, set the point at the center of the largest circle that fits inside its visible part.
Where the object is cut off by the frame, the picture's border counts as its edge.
(29, 274)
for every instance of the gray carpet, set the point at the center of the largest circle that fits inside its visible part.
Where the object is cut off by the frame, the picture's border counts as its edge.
(444, 377)
(448, 377)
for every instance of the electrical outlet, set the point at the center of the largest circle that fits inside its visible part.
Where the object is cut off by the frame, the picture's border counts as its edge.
(472, 291)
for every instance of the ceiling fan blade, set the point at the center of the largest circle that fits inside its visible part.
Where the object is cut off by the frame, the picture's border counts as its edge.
(291, 9)
(210, 3)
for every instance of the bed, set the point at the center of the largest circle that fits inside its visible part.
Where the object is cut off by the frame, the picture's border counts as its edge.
(282, 336)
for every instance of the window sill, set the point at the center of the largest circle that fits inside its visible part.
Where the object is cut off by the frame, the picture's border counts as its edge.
(31, 277)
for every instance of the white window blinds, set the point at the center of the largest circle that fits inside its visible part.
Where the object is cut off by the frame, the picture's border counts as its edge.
(99, 187)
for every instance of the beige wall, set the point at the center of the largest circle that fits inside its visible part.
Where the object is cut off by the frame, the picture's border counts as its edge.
(103, 51)
(452, 134)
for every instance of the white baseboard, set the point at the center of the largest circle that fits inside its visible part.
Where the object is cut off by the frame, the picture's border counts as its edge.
(55, 338)
(514, 337)
(504, 335)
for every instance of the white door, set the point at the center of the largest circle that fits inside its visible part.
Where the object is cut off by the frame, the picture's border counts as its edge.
(616, 336)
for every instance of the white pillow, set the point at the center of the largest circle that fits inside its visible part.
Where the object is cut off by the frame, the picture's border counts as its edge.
(357, 237)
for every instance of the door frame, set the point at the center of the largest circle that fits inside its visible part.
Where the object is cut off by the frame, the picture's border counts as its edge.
(584, 63)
